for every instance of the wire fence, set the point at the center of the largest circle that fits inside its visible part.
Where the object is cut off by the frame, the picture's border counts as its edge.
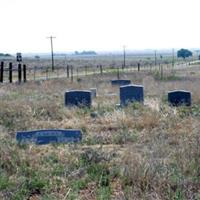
(19, 72)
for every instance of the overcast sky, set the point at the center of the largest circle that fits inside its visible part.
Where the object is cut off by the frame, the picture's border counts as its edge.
(98, 24)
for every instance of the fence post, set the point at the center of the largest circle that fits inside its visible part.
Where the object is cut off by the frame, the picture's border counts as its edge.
(77, 72)
(47, 73)
(67, 71)
(10, 72)
(19, 73)
(101, 69)
(93, 70)
(57, 72)
(1, 74)
(34, 73)
(24, 72)
(161, 71)
(72, 73)
(118, 72)
(138, 67)
(86, 70)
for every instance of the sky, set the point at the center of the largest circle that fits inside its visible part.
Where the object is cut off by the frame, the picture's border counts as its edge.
(100, 25)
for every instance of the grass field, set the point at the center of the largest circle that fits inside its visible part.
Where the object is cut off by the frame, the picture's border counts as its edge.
(149, 151)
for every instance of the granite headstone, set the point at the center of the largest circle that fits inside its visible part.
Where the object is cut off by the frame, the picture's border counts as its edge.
(179, 97)
(131, 93)
(79, 98)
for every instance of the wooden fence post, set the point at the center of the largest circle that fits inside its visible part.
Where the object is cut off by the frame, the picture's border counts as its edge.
(57, 72)
(19, 73)
(118, 72)
(77, 72)
(34, 73)
(138, 67)
(24, 72)
(1, 74)
(161, 71)
(67, 71)
(72, 73)
(93, 70)
(101, 69)
(10, 72)
(47, 73)
(85, 70)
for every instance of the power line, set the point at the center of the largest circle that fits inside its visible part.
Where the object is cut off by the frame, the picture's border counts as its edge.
(52, 56)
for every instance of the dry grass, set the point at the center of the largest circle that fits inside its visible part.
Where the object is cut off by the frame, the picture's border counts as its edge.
(148, 151)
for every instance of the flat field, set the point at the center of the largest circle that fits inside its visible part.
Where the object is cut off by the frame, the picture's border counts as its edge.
(149, 151)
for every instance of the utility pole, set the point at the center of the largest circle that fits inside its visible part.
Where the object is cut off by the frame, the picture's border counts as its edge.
(52, 57)
(124, 64)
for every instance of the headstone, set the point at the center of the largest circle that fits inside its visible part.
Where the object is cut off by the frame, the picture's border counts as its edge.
(131, 93)
(49, 136)
(79, 98)
(93, 92)
(179, 97)
(120, 82)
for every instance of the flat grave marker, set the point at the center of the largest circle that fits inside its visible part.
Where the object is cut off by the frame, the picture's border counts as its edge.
(56, 136)
(131, 93)
(79, 98)
(120, 82)
(179, 97)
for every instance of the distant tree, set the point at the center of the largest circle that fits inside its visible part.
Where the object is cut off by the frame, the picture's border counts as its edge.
(37, 57)
(76, 52)
(5, 55)
(184, 53)
(85, 53)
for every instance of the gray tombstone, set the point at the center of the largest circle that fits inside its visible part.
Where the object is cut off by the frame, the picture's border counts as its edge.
(131, 93)
(179, 97)
(79, 98)
(56, 136)
(93, 92)
(120, 82)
